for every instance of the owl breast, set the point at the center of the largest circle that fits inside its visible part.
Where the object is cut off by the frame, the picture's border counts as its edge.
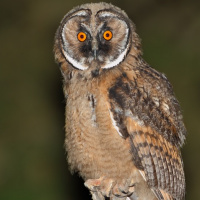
(95, 147)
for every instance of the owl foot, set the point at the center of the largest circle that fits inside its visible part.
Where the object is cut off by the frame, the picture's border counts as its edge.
(103, 187)
(123, 189)
(101, 184)
(96, 195)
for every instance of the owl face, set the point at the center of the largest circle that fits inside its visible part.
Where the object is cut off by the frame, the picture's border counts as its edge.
(91, 35)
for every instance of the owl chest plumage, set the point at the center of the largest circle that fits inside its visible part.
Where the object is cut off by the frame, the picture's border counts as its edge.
(94, 146)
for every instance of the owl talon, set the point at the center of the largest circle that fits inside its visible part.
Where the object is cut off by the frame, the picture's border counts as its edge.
(92, 184)
(123, 189)
(109, 188)
(97, 195)
(100, 185)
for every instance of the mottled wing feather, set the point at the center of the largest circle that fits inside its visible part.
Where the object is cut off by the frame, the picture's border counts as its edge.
(153, 122)
(161, 161)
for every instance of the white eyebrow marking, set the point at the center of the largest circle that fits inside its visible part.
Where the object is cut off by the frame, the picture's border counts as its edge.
(107, 14)
(80, 13)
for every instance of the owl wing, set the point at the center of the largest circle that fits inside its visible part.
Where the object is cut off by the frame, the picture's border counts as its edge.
(144, 109)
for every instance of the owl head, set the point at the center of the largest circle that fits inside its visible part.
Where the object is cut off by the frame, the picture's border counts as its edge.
(97, 35)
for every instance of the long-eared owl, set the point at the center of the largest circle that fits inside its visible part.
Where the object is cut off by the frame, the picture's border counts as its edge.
(124, 126)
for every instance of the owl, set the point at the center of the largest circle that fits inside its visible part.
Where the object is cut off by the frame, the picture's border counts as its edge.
(124, 126)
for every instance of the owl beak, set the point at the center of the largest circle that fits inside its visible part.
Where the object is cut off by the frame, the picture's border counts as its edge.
(95, 48)
(94, 53)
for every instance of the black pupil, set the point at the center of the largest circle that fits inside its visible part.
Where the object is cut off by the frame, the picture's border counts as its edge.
(82, 36)
(107, 34)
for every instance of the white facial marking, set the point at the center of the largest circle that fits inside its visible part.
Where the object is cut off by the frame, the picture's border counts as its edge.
(78, 65)
(81, 13)
(107, 14)
(119, 59)
(116, 61)
(122, 55)
(74, 62)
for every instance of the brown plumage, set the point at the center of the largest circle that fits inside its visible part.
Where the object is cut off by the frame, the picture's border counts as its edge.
(124, 127)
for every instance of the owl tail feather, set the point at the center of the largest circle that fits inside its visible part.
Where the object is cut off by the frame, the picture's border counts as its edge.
(166, 196)
(162, 195)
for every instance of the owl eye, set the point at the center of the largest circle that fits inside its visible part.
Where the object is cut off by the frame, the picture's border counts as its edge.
(82, 36)
(107, 35)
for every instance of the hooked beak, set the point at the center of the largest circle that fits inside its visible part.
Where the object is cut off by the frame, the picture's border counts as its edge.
(94, 53)
(95, 48)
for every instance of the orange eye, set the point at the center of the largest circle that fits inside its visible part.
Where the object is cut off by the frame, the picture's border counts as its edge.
(107, 35)
(82, 37)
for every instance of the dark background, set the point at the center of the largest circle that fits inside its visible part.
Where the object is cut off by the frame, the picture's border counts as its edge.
(32, 158)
